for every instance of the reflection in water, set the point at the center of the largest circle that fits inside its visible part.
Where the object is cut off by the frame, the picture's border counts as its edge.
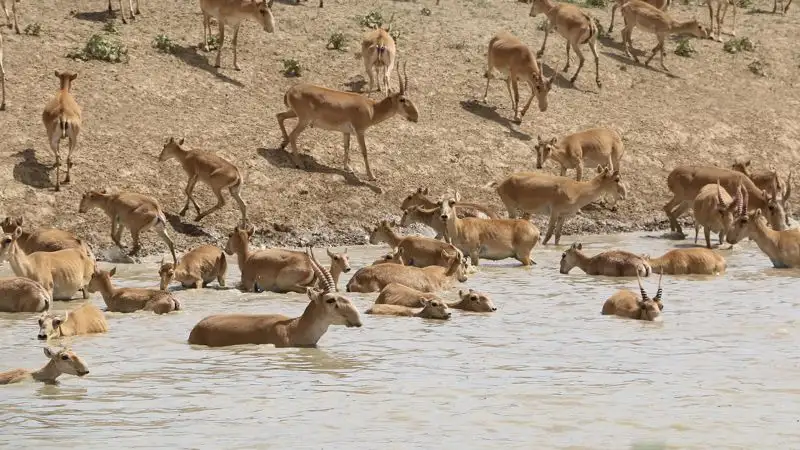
(545, 371)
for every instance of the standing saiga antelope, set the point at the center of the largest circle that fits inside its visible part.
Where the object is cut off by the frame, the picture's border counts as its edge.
(768, 180)
(209, 168)
(134, 12)
(62, 119)
(576, 26)
(774, 7)
(378, 52)
(715, 22)
(594, 145)
(510, 56)
(347, 112)
(663, 5)
(232, 13)
(781, 247)
(15, 24)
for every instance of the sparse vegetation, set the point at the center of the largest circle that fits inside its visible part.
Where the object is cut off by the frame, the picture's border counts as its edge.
(101, 48)
(758, 68)
(460, 45)
(597, 3)
(685, 48)
(372, 20)
(425, 12)
(164, 44)
(395, 34)
(33, 29)
(291, 68)
(213, 42)
(745, 4)
(737, 45)
(337, 41)
(111, 27)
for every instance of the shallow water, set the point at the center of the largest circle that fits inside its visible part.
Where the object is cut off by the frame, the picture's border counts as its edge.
(545, 371)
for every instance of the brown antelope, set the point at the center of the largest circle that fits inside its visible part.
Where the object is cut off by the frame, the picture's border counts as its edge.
(593, 146)
(2, 78)
(62, 120)
(232, 13)
(85, 319)
(429, 217)
(612, 263)
(347, 112)
(196, 269)
(379, 53)
(784, 9)
(510, 56)
(463, 209)
(418, 251)
(427, 279)
(279, 270)
(128, 300)
(492, 239)
(685, 183)
(663, 5)
(561, 197)
(326, 308)
(20, 294)
(399, 294)
(781, 247)
(431, 309)
(473, 301)
(136, 212)
(13, 16)
(715, 22)
(768, 180)
(688, 261)
(715, 210)
(61, 361)
(41, 240)
(626, 303)
(61, 273)
(652, 20)
(575, 26)
(209, 168)
(134, 12)
(393, 257)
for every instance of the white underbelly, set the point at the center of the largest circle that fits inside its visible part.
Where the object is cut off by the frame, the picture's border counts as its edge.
(341, 127)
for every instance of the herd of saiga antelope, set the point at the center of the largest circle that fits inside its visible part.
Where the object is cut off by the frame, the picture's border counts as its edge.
(53, 264)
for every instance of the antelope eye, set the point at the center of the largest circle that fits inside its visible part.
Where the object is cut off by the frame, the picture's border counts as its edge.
(41, 322)
(402, 100)
(65, 357)
(7, 240)
(563, 255)
(330, 301)
(475, 299)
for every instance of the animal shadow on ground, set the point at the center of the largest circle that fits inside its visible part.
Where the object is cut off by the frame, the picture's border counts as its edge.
(182, 227)
(562, 78)
(95, 16)
(758, 11)
(481, 109)
(356, 85)
(630, 62)
(195, 57)
(31, 172)
(280, 158)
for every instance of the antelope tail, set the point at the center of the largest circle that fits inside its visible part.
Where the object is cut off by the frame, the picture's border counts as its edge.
(592, 28)
(63, 123)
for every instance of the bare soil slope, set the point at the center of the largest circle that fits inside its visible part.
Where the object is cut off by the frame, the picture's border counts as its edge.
(710, 111)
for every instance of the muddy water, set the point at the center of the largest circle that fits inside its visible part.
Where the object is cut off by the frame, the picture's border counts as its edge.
(545, 371)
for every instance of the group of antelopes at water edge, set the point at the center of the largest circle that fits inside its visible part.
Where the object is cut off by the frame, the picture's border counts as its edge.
(52, 264)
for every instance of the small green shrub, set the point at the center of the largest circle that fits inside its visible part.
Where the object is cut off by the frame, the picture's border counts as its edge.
(291, 68)
(111, 27)
(737, 45)
(372, 20)
(164, 44)
(758, 68)
(33, 29)
(745, 4)
(685, 48)
(213, 42)
(426, 12)
(395, 34)
(597, 3)
(101, 48)
(337, 41)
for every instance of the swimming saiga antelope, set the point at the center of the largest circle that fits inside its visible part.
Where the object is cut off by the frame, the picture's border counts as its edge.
(781, 247)
(60, 361)
(626, 303)
(62, 119)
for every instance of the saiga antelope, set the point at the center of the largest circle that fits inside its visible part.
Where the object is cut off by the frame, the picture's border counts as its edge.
(768, 180)
(510, 56)
(626, 303)
(85, 319)
(15, 24)
(715, 22)
(652, 20)
(594, 145)
(715, 210)
(134, 12)
(62, 119)
(774, 7)
(212, 170)
(781, 247)
(663, 5)
(60, 361)
(347, 112)
(575, 26)
(233, 13)
(378, 52)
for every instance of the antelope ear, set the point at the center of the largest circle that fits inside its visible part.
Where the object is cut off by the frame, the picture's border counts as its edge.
(539, 137)
(181, 141)
(553, 141)
(50, 353)
(112, 272)
(599, 169)
(269, 4)
(424, 301)
(425, 191)
(19, 221)
(17, 233)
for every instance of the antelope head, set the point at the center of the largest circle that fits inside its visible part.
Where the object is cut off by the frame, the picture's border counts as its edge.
(337, 309)
(67, 361)
(416, 198)
(650, 309)
(401, 103)
(473, 300)
(170, 149)
(569, 259)
(239, 239)
(610, 180)
(264, 15)
(339, 260)
(544, 148)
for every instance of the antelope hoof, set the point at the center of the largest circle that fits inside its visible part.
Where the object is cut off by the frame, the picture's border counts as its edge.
(517, 120)
(572, 80)
(66, 181)
(199, 218)
(539, 54)
(566, 68)
(217, 65)
(138, 12)
(599, 84)
(57, 188)
(236, 67)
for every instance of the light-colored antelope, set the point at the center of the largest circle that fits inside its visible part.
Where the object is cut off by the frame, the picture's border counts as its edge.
(575, 26)
(232, 13)
(638, 14)
(427, 279)
(715, 22)
(61, 273)
(378, 53)
(492, 239)
(612, 263)
(431, 309)
(463, 209)
(279, 270)
(20, 294)
(61, 361)
(688, 261)
(781, 247)
(136, 212)
(784, 9)
(663, 5)
(418, 251)
(196, 269)
(85, 319)
(685, 183)
(560, 197)
(626, 303)
(511, 57)
(209, 168)
(134, 12)
(593, 146)
(347, 112)
(2, 78)
(400, 294)
(41, 240)
(393, 257)
(128, 300)
(326, 308)
(768, 180)
(429, 217)
(14, 24)
(62, 120)
(473, 301)
(715, 210)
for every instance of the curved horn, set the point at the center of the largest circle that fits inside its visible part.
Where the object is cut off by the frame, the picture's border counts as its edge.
(719, 194)
(788, 190)
(744, 201)
(400, 79)
(641, 288)
(322, 272)
(405, 77)
(658, 293)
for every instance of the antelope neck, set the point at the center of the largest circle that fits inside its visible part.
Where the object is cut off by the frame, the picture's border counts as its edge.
(106, 288)
(48, 373)
(383, 110)
(19, 261)
(309, 327)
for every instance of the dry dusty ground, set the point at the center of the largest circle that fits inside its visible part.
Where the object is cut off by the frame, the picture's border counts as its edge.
(712, 110)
